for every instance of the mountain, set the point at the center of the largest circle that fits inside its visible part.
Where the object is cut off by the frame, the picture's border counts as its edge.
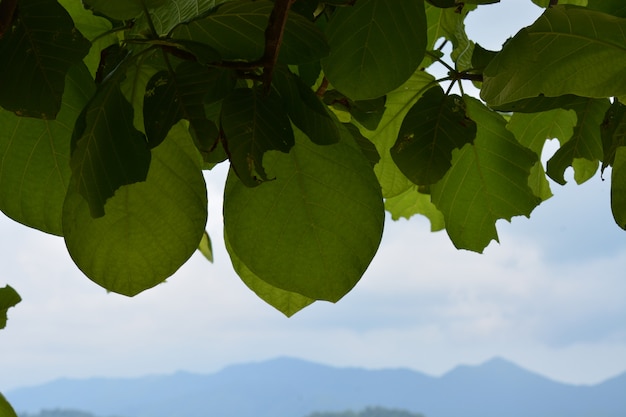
(287, 387)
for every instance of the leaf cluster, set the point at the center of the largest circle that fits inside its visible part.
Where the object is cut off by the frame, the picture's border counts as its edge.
(112, 112)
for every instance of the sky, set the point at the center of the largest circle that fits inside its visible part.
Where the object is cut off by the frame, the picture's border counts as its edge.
(551, 296)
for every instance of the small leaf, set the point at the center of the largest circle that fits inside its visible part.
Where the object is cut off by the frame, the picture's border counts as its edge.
(315, 229)
(108, 151)
(435, 126)
(35, 154)
(149, 229)
(585, 143)
(5, 408)
(559, 54)
(254, 123)
(375, 46)
(205, 247)
(8, 298)
(412, 202)
(488, 181)
(236, 30)
(37, 52)
(287, 302)
(618, 187)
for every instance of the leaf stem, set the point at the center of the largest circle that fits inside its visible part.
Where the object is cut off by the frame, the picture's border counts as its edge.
(150, 22)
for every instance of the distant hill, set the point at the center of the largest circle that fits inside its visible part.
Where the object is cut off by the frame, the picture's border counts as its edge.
(288, 387)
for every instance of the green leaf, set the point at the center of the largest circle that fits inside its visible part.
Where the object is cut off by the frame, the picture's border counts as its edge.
(614, 7)
(205, 247)
(8, 298)
(412, 202)
(435, 126)
(171, 13)
(38, 50)
(305, 109)
(254, 123)
(367, 112)
(613, 131)
(532, 130)
(367, 148)
(150, 228)
(5, 408)
(34, 158)
(488, 181)
(618, 187)
(123, 9)
(585, 143)
(375, 46)
(108, 151)
(287, 302)
(399, 101)
(546, 3)
(316, 227)
(559, 54)
(236, 30)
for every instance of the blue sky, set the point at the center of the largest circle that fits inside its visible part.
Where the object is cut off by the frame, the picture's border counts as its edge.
(550, 296)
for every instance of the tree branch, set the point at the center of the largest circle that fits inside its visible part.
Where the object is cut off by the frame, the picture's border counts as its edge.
(274, 38)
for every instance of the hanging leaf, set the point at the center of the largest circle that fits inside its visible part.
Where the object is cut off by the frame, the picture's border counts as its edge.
(375, 46)
(38, 50)
(584, 145)
(108, 151)
(205, 247)
(35, 156)
(559, 54)
(149, 229)
(435, 126)
(254, 123)
(287, 302)
(488, 181)
(412, 202)
(8, 298)
(315, 229)
(236, 30)
(618, 187)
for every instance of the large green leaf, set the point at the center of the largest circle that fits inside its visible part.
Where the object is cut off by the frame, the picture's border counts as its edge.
(316, 227)
(8, 298)
(399, 102)
(150, 228)
(618, 187)
(236, 30)
(37, 52)
(614, 7)
(560, 54)
(583, 150)
(287, 302)
(254, 123)
(5, 408)
(435, 126)
(108, 151)
(375, 46)
(34, 158)
(124, 9)
(488, 181)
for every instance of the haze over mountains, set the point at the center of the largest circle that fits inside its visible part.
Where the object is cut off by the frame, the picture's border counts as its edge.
(287, 387)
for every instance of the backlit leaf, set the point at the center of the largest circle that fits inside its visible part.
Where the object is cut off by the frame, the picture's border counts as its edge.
(488, 181)
(559, 54)
(254, 123)
(413, 202)
(34, 158)
(435, 126)
(38, 50)
(375, 46)
(5, 408)
(8, 298)
(149, 229)
(618, 187)
(287, 302)
(315, 228)
(123, 9)
(205, 247)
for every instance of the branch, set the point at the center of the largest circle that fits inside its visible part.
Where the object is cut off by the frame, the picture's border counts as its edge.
(553, 3)
(274, 38)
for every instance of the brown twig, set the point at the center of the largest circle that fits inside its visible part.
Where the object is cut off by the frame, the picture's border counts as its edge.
(274, 38)
(553, 3)
(321, 90)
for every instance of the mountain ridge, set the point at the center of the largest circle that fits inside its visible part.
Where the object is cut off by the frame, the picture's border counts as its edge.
(290, 387)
